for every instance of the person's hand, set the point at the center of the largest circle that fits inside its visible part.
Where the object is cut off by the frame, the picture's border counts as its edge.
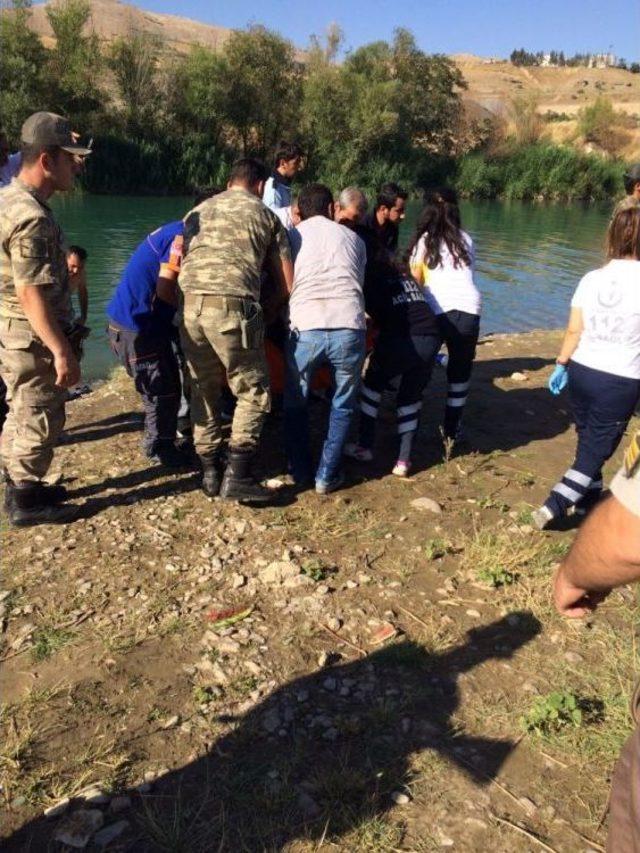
(558, 379)
(573, 601)
(67, 369)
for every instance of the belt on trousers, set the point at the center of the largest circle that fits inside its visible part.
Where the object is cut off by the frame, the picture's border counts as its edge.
(202, 300)
(8, 323)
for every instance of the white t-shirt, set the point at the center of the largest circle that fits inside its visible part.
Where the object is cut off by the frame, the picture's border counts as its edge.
(329, 262)
(10, 169)
(610, 302)
(447, 287)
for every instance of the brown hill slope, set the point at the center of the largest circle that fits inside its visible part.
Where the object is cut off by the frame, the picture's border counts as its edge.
(491, 83)
(111, 18)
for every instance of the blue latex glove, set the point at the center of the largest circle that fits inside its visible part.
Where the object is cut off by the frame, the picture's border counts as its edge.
(558, 379)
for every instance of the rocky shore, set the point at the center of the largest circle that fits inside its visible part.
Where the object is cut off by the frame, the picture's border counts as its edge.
(369, 671)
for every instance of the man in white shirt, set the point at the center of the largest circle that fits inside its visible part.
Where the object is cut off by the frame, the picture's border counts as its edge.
(327, 328)
(9, 163)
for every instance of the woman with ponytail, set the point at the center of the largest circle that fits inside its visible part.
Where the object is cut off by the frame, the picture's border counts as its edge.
(441, 257)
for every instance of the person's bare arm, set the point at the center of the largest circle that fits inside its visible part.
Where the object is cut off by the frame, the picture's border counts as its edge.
(605, 554)
(575, 327)
(47, 328)
(167, 283)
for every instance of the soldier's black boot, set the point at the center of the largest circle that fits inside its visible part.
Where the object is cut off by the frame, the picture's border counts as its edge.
(52, 494)
(212, 471)
(238, 482)
(26, 505)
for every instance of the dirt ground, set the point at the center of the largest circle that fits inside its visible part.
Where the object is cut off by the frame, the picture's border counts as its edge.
(348, 673)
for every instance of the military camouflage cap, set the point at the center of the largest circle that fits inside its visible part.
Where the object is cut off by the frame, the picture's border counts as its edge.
(51, 129)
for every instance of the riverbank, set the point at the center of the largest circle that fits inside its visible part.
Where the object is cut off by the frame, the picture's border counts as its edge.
(350, 672)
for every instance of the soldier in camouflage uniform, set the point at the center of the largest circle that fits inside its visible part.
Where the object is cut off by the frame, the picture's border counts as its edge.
(228, 240)
(37, 359)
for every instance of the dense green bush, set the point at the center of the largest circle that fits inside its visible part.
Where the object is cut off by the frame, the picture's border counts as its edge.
(543, 170)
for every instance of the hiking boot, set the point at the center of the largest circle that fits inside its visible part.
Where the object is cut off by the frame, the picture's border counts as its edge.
(212, 472)
(51, 495)
(25, 505)
(239, 483)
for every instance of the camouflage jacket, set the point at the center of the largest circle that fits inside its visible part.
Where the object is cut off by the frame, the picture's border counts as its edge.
(227, 240)
(32, 251)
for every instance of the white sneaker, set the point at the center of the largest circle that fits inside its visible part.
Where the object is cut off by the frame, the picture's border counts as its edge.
(401, 468)
(354, 451)
(541, 517)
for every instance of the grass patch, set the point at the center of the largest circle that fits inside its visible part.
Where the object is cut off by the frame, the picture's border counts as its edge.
(47, 640)
(497, 576)
(374, 835)
(553, 712)
(437, 548)
(317, 570)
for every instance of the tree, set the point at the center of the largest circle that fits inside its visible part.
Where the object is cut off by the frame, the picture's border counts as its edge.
(199, 93)
(526, 120)
(325, 113)
(134, 63)
(22, 59)
(75, 64)
(263, 82)
(600, 124)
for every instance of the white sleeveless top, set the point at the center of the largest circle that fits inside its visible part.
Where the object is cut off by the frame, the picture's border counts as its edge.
(447, 287)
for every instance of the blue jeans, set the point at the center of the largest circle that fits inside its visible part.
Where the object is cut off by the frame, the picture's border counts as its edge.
(343, 351)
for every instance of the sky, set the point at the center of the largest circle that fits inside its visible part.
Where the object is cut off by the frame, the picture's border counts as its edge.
(440, 26)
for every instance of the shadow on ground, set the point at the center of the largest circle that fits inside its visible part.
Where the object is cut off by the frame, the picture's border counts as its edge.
(495, 418)
(105, 428)
(321, 757)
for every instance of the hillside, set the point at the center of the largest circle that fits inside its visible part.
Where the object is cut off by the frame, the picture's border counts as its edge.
(562, 92)
(111, 19)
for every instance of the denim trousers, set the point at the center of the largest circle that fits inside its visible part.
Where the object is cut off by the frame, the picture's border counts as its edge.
(342, 351)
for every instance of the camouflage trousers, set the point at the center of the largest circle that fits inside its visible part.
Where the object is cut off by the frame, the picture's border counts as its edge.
(624, 818)
(224, 334)
(36, 405)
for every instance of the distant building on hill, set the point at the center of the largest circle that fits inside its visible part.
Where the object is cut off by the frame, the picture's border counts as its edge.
(603, 60)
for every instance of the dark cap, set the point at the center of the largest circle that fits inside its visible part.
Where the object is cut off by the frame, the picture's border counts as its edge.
(633, 173)
(51, 129)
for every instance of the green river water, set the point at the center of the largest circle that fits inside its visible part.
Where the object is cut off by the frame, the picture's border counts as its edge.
(529, 257)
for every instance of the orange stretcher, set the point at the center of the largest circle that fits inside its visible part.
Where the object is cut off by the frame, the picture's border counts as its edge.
(322, 379)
